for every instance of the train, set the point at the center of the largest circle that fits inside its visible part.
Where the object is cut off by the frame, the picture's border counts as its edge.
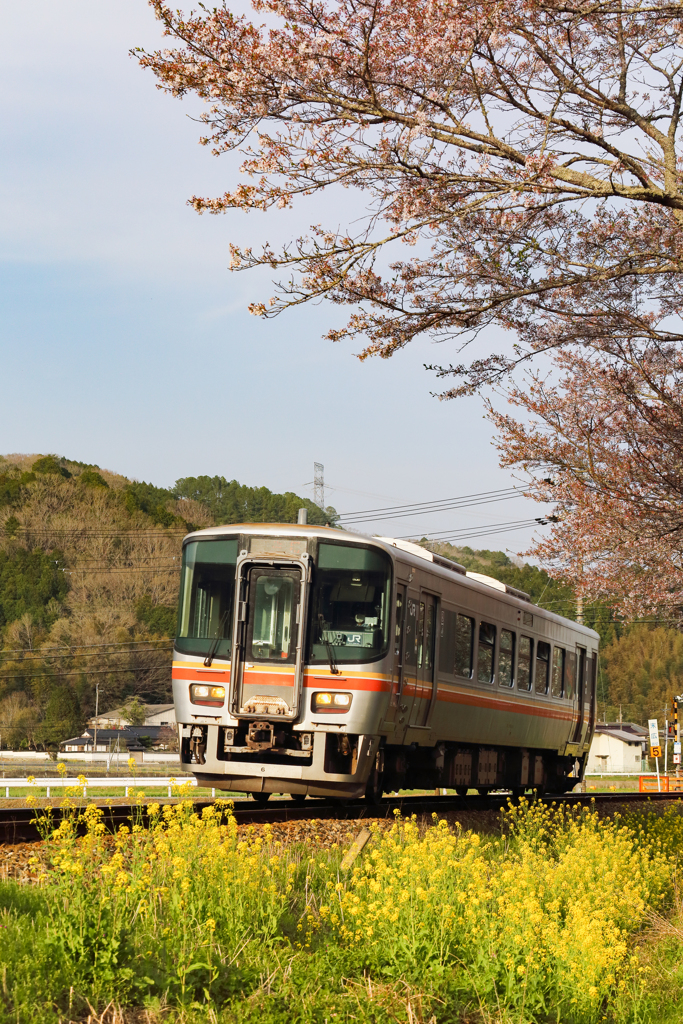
(318, 662)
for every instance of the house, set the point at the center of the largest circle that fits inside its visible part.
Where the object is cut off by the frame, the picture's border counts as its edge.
(160, 714)
(617, 747)
(155, 714)
(131, 738)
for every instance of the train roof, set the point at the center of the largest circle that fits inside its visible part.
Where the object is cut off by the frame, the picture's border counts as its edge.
(413, 554)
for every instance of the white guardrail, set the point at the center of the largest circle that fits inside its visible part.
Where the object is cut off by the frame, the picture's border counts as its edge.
(60, 784)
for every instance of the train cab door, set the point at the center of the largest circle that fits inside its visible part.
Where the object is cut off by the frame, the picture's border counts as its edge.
(267, 653)
(393, 713)
(581, 709)
(425, 677)
(406, 643)
(593, 684)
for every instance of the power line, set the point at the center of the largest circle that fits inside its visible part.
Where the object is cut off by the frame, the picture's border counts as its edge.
(103, 570)
(167, 559)
(89, 654)
(111, 643)
(440, 501)
(415, 508)
(93, 672)
(84, 531)
(437, 534)
(485, 531)
(421, 511)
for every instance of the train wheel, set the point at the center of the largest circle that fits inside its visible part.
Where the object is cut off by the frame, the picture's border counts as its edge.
(461, 790)
(374, 790)
(261, 798)
(483, 790)
(375, 787)
(298, 799)
(518, 792)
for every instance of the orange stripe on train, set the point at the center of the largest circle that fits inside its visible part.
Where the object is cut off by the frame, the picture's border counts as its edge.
(378, 685)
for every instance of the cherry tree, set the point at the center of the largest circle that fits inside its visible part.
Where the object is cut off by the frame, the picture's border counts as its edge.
(511, 165)
(604, 442)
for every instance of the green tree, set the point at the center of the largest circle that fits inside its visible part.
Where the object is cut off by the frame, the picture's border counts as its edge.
(135, 711)
(153, 501)
(63, 717)
(51, 464)
(159, 619)
(10, 489)
(231, 502)
(91, 478)
(29, 580)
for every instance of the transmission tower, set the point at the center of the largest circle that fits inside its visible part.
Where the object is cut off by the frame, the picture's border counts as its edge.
(319, 484)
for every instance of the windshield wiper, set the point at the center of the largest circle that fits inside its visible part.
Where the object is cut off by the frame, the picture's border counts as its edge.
(216, 640)
(330, 653)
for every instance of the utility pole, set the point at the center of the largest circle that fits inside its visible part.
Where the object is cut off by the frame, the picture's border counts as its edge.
(666, 740)
(677, 735)
(319, 485)
(97, 711)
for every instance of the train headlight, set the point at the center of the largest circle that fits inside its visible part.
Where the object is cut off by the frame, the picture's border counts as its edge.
(327, 702)
(214, 696)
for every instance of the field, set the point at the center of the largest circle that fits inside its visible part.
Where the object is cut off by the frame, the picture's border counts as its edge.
(560, 917)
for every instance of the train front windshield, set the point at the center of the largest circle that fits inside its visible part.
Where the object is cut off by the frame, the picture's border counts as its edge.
(349, 606)
(207, 595)
(350, 603)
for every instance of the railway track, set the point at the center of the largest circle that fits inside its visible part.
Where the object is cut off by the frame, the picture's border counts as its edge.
(18, 824)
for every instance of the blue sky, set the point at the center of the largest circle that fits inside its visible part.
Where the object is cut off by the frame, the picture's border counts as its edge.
(125, 340)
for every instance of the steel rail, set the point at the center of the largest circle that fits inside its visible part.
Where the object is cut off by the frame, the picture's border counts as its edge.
(19, 824)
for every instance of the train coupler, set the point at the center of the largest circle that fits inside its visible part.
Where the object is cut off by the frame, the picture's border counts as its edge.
(261, 736)
(198, 738)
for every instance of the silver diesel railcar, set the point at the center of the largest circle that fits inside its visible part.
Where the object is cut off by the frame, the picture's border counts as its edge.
(311, 661)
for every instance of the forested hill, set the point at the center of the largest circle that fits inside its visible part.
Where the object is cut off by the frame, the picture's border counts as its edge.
(89, 567)
(89, 570)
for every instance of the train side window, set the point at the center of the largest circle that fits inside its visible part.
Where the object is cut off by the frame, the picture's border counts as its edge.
(524, 662)
(399, 624)
(429, 636)
(464, 636)
(420, 634)
(447, 641)
(410, 634)
(557, 687)
(506, 658)
(569, 674)
(542, 666)
(487, 649)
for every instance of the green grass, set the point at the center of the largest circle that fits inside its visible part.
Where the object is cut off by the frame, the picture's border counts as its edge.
(99, 793)
(562, 918)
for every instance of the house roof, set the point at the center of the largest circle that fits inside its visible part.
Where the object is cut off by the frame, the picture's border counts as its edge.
(627, 732)
(130, 733)
(631, 727)
(151, 709)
